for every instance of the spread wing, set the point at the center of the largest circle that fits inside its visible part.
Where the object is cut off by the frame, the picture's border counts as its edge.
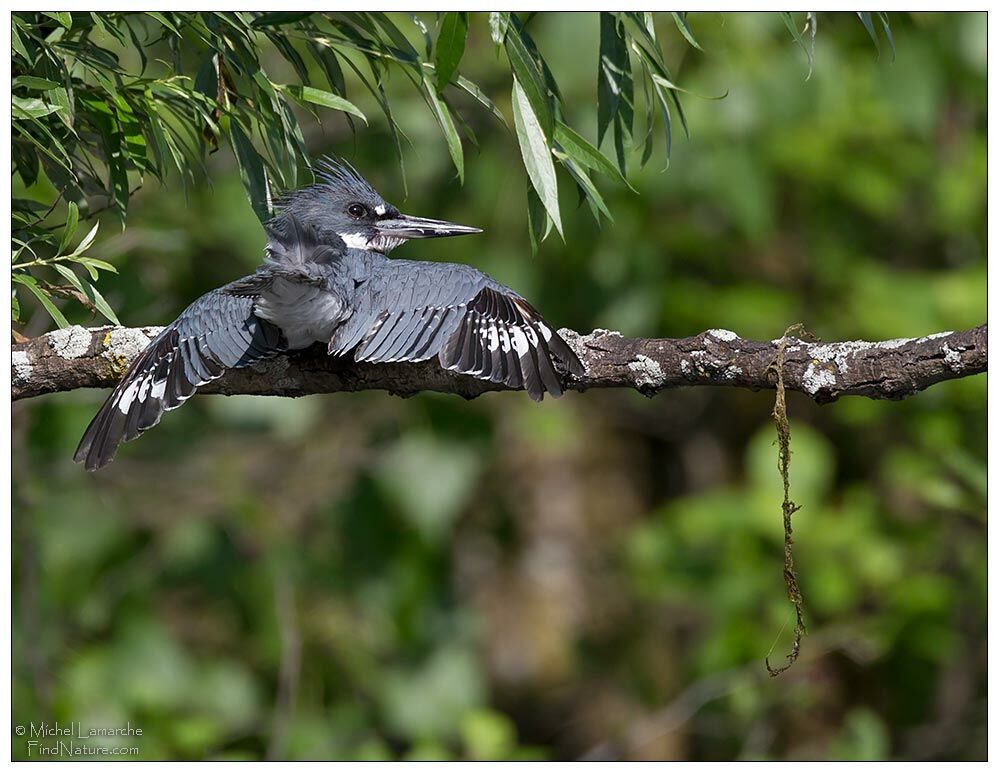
(217, 331)
(413, 311)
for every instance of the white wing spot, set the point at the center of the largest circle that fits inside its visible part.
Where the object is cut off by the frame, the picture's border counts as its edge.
(519, 341)
(504, 337)
(493, 334)
(126, 397)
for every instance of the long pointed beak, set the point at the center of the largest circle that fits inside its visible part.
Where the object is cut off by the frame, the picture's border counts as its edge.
(409, 227)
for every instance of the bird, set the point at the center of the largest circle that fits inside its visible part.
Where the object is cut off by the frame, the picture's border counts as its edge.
(326, 278)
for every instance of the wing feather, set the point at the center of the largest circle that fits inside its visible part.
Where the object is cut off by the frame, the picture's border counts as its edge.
(449, 319)
(472, 343)
(412, 312)
(503, 338)
(416, 349)
(412, 327)
(195, 349)
(379, 334)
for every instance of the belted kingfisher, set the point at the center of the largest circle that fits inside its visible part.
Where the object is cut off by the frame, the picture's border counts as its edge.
(326, 278)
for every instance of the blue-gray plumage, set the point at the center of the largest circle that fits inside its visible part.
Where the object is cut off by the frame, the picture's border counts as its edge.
(326, 278)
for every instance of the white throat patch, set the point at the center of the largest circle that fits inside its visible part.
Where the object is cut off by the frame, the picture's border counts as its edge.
(379, 243)
(357, 241)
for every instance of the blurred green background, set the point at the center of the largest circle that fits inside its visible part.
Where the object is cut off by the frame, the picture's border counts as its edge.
(359, 576)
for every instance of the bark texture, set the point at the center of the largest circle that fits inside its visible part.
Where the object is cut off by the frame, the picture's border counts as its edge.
(78, 357)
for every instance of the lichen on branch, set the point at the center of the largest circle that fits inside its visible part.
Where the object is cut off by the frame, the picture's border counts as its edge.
(78, 357)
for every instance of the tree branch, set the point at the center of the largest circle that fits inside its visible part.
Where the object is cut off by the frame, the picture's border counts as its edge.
(79, 357)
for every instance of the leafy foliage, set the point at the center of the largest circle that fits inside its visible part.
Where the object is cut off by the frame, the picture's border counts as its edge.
(82, 290)
(90, 123)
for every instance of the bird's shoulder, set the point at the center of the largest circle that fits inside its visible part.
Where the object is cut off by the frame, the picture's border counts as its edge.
(263, 279)
(423, 282)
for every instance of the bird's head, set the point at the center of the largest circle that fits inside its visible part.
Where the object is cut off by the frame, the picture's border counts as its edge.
(344, 203)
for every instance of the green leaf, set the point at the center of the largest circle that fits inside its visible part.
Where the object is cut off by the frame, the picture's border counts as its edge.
(586, 185)
(32, 284)
(289, 52)
(207, 79)
(680, 17)
(31, 107)
(163, 148)
(428, 42)
(89, 291)
(21, 248)
(92, 270)
(17, 44)
(539, 225)
(108, 27)
(70, 276)
(102, 114)
(536, 154)
(865, 19)
(615, 89)
(527, 74)
(475, 92)
(443, 116)
(499, 23)
(466, 130)
(86, 241)
(582, 152)
(92, 265)
(643, 23)
(15, 307)
(331, 67)
(868, 22)
(607, 89)
(61, 99)
(666, 83)
(405, 48)
(32, 83)
(62, 160)
(653, 66)
(532, 49)
(65, 18)
(810, 26)
(165, 21)
(883, 17)
(72, 219)
(251, 171)
(134, 142)
(100, 304)
(279, 18)
(450, 46)
(322, 98)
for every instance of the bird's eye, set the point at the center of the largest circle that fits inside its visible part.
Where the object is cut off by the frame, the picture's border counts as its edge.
(357, 211)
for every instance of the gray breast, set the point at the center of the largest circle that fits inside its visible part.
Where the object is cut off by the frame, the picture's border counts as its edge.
(304, 313)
